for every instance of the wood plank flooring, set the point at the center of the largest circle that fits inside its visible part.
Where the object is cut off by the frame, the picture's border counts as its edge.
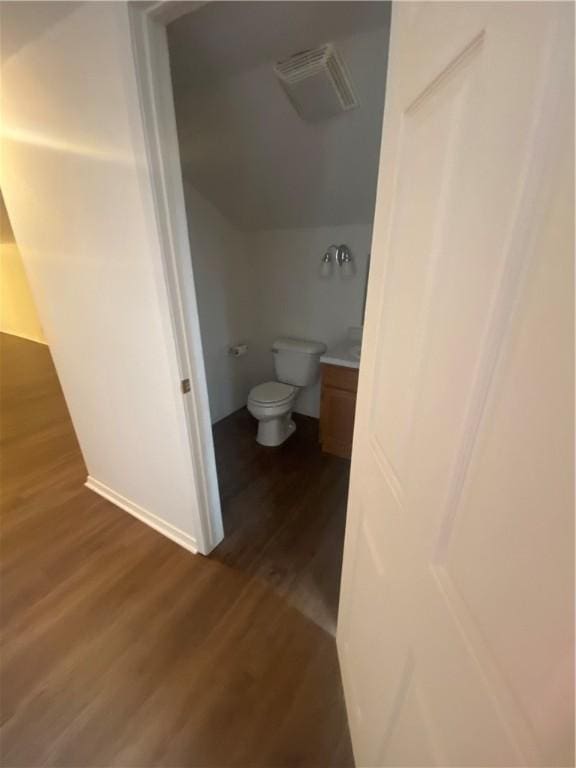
(119, 648)
(284, 513)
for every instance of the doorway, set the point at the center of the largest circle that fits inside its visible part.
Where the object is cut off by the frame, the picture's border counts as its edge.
(279, 189)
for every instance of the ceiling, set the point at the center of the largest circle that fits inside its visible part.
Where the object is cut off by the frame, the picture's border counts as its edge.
(242, 144)
(26, 21)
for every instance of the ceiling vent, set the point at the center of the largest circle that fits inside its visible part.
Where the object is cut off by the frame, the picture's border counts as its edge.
(317, 83)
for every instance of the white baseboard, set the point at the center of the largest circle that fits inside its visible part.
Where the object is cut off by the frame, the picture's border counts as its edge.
(166, 529)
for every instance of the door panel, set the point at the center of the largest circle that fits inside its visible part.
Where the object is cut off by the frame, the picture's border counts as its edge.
(455, 629)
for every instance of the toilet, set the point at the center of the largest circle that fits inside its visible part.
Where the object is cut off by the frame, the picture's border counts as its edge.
(296, 362)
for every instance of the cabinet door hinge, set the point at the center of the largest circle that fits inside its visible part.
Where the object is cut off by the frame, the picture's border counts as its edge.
(185, 386)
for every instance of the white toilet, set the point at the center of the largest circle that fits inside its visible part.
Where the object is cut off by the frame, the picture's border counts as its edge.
(297, 363)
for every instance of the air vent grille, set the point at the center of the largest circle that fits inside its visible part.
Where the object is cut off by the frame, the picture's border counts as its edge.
(301, 65)
(317, 83)
(342, 82)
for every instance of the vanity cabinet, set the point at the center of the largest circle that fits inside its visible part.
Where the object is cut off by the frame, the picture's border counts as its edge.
(337, 408)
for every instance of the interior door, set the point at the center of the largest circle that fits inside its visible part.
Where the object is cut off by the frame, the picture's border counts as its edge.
(456, 618)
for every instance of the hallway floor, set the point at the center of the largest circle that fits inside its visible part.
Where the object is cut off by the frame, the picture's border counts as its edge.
(119, 648)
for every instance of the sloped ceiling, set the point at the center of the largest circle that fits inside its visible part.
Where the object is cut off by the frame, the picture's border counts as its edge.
(30, 21)
(242, 144)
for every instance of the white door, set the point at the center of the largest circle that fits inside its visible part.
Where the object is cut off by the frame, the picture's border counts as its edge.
(456, 619)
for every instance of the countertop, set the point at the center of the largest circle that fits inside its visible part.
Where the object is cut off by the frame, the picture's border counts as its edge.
(343, 354)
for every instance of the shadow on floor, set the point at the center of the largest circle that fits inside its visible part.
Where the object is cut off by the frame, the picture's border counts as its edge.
(284, 513)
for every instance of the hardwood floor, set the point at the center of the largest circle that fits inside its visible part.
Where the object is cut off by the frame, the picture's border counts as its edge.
(119, 648)
(284, 513)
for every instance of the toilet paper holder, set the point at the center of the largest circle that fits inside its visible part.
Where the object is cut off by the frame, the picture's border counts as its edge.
(237, 350)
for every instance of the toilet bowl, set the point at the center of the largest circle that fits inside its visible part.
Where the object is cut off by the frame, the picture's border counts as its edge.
(271, 404)
(297, 363)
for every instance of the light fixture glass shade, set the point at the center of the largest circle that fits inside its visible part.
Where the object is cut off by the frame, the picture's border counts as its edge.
(348, 269)
(326, 265)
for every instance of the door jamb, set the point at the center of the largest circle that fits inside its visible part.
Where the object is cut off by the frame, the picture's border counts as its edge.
(150, 51)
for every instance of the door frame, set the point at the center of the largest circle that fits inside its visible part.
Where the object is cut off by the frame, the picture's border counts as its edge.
(148, 21)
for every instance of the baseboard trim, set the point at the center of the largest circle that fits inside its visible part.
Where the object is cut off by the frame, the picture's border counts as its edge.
(166, 529)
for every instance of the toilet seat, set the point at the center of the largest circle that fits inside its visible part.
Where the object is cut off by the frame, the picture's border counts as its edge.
(271, 393)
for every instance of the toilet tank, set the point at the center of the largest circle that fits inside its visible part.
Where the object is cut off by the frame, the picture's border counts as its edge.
(297, 361)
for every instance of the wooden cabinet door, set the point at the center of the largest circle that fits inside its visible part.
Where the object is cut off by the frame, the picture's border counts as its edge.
(337, 421)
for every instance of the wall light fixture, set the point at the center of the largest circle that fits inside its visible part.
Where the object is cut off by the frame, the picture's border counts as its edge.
(340, 254)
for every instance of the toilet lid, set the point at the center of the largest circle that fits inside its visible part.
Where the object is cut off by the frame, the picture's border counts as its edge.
(271, 392)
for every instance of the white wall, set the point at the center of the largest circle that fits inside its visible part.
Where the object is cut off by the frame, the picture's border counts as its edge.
(296, 301)
(257, 286)
(77, 188)
(227, 293)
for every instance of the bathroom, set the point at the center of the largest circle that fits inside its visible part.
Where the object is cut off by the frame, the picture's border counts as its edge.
(280, 184)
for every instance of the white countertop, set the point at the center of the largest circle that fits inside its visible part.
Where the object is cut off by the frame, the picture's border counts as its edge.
(343, 354)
